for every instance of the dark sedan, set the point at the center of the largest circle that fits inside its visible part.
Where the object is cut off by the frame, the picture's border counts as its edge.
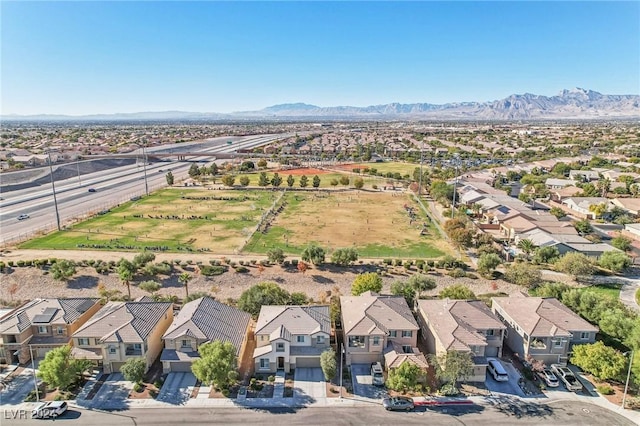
(398, 403)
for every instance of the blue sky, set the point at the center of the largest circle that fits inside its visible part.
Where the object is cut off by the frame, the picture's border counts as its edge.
(94, 57)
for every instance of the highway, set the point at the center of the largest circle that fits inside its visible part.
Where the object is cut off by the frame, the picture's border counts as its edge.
(112, 187)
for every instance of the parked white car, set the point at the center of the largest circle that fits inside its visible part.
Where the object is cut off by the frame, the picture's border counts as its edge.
(568, 378)
(549, 378)
(52, 409)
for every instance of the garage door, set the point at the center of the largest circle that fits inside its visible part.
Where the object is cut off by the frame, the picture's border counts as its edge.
(180, 367)
(365, 358)
(307, 362)
(41, 352)
(491, 351)
(115, 366)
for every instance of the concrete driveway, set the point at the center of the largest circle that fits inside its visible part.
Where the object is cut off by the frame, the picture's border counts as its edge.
(511, 387)
(114, 393)
(309, 382)
(363, 382)
(17, 388)
(177, 388)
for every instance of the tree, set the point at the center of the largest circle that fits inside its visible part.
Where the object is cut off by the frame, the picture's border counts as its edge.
(458, 292)
(598, 209)
(358, 183)
(524, 274)
(304, 181)
(421, 283)
(228, 180)
(314, 254)
(487, 263)
(617, 322)
(247, 166)
(583, 226)
(262, 163)
(194, 171)
(369, 281)
(551, 290)
(441, 192)
(150, 287)
(452, 366)
(60, 370)
(298, 298)
(126, 271)
(462, 237)
(217, 364)
(266, 293)
(548, 254)
(63, 269)
(328, 364)
(604, 362)
(290, 181)
(621, 243)
(404, 289)
(170, 178)
(344, 180)
(344, 256)
(133, 369)
(576, 264)
(316, 181)
(213, 169)
(333, 182)
(184, 279)
(527, 246)
(404, 378)
(263, 180)
(276, 180)
(244, 180)
(557, 212)
(615, 261)
(141, 259)
(275, 255)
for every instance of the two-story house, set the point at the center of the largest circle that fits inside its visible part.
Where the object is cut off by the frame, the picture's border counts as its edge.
(123, 330)
(541, 327)
(41, 325)
(379, 329)
(291, 336)
(462, 325)
(200, 321)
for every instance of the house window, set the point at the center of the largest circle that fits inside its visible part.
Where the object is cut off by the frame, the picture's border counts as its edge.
(112, 350)
(558, 343)
(407, 349)
(356, 341)
(279, 347)
(137, 346)
(83, 342)
(60, 330)
(585, 335)
(42, 329)
(407, 333)
(320, 340)
(376, 341)
(186, 343)
(264, 363)
(489, 332)
(393, 333)
(300, 339)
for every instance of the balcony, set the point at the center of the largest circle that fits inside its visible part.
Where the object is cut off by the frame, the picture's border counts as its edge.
(133, 351)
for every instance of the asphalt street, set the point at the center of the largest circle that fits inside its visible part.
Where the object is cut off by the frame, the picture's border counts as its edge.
(518, 413)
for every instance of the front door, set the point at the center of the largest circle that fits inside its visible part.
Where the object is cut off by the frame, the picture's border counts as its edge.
(280, 363)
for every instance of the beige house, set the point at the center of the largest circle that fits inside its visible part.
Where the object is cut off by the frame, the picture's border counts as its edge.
(41, 325)
(541, 328)
(200, 321)
(464, 326)
(291, 336)
(123, 330)
(379, 328)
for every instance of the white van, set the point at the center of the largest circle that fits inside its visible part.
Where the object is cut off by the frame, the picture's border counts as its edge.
(497, 371)
(376, 374)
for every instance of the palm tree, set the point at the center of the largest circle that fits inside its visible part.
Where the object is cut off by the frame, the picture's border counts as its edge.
(184, 279)
(476, 208)
(527, 246)
(126, 271)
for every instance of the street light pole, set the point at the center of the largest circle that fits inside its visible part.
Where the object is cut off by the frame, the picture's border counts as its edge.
(341, 353)
(455, 186)
(626, 386)
(53, 186)
(420, 178)
(33, 367)
(144, 167)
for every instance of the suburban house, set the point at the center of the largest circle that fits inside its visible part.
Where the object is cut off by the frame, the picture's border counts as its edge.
(584, 175)
(200, 321)
(41, 325)
(541, 328)
(461, 325)
(629, 205)
(553, 183)
(123, 330)
(379, 328)
(288, 337)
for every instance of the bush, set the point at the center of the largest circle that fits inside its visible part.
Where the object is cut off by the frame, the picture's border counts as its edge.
(294, 263)
(448, 390)
(225, 393)
(271, 379)
(387, 262)
(158, 383)
(457, 273)
(605, 390)
(138, 387)
(209, 271)
(242, 269)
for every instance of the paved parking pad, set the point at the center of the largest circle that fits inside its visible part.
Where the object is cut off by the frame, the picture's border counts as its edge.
(511, 387)
(177, 388)
(17, 388)
(363, 382)
(114, 393)
(309, 383)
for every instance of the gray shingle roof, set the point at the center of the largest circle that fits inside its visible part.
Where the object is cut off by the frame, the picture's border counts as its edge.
(208, 319)
(125, 321)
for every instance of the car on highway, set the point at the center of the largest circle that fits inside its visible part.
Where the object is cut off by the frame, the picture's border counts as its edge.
(567, 377)
(23, 216)
(52, 409)
(549, 378)
(92, 190)
(398, 403)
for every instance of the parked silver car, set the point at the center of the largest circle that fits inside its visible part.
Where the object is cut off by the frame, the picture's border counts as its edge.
(398, 403)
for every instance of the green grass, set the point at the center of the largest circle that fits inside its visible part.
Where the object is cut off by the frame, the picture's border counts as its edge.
(325, 180)
(611, 289)
(638, 296)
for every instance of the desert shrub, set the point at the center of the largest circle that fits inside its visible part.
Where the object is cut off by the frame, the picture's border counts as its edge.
(271, 379)
(209, 271)
(253, 261)
(20, 263)
(158, 383)
(294, 263)
(242, 269)
(457, 273)
(605, 390)
(138, 387)
(387, 261)
(225, 393)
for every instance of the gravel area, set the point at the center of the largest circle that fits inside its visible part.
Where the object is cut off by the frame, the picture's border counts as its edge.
(317, 283)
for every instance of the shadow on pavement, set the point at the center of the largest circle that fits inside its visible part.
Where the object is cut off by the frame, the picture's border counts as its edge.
(69, 415)
(518, 408)
(452, 410)
(279, 405)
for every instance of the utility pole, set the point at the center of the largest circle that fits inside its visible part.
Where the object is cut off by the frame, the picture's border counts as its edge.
(341, 352)
(53, 186)
(78, 168)
(144, 167)
(626, 386)
(33, 367)
(420, 178)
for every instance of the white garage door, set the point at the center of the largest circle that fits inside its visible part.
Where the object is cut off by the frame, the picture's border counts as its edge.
(307, 362)
(364, 358)
(180, 367)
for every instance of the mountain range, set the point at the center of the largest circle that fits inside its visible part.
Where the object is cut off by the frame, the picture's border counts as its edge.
(568, 104)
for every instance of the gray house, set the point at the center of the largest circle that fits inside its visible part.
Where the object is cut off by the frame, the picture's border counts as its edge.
(541, 327)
